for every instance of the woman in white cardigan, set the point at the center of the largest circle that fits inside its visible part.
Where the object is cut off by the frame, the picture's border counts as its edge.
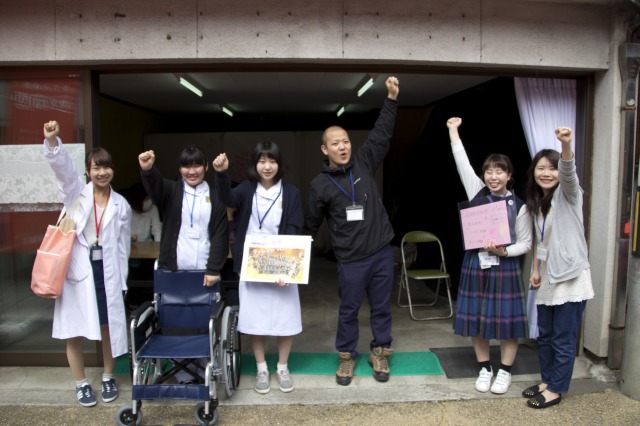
(91, 305)
(561, 273)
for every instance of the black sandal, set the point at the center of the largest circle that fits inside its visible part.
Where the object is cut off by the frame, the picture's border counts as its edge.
(532, 391)
(539, 401)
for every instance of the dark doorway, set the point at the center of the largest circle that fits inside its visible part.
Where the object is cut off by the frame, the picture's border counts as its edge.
(424, 189)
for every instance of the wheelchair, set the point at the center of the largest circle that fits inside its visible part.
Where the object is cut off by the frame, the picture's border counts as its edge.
(184, 323)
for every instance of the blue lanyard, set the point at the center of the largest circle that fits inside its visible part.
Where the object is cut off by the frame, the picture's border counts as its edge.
(193, 206)
(351, 196)
(541, 229)
(260, 220)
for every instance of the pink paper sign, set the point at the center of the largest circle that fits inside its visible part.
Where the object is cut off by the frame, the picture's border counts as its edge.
(483, 223)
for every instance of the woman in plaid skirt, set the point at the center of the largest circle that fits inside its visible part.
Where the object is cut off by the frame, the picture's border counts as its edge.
(491, 301)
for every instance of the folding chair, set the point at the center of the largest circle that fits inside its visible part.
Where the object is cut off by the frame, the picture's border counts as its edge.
(411, 242)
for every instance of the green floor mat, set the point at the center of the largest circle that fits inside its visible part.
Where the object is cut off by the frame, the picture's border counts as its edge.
(122, 365)
(400, 364)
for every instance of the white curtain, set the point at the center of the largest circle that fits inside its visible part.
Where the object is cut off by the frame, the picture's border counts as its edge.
(544, 104)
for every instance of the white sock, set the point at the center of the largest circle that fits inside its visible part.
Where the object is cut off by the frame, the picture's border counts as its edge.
(106, 377)
(282, 367)
(81, 383)
(262, 366)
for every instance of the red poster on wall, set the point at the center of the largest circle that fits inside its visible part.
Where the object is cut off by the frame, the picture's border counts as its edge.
(32, 102)
(28, 104)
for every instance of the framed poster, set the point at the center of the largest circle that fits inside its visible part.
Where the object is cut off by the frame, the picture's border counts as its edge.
(267, 258)
(485, 222)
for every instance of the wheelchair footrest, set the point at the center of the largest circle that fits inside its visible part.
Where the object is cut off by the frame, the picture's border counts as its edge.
(190, 391)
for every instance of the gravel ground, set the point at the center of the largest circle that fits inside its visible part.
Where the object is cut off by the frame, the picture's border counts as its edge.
(605, 408)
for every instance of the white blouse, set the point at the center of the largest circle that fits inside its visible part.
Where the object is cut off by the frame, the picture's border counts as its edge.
(193, 239)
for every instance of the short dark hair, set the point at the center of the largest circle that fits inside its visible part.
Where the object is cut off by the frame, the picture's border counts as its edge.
(100, 157)
(267, 149)
(135, 195)
(500, 161)
(192, 155)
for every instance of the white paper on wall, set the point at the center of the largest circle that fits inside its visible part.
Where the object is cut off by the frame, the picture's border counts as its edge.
(27, 178)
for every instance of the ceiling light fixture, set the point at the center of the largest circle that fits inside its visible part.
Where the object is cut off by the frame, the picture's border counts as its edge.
(340, 111)
(190, 86)
(227, 111)
(366, 86)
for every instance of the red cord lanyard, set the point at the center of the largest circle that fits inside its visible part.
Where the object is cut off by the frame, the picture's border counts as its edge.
(95, 215)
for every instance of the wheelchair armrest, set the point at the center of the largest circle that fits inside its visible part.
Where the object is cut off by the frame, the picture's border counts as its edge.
(135, 315)
(143, 320)
(216, 311)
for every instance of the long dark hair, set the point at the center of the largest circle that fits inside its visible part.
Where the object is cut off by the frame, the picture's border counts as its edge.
(265, 149)
(536, 201)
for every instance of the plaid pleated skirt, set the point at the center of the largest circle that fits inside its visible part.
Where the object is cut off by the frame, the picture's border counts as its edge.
(491, 302)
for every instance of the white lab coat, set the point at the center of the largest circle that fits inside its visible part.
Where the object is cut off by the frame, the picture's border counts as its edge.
(76, 311)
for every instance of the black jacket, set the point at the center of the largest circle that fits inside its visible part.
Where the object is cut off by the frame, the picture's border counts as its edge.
(241, 198)
(167, 195)
(355, 240)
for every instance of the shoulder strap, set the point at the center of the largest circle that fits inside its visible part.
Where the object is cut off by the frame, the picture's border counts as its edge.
(63, 213)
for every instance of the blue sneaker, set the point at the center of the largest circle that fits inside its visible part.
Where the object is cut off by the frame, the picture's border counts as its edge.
(109, 390)
(85, 395)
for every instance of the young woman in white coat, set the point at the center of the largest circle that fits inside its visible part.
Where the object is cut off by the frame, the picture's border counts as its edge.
(91, 305)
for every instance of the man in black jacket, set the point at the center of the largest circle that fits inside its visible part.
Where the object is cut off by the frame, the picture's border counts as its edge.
(346, 194)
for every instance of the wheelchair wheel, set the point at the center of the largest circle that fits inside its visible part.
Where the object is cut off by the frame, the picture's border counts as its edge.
(149, 371)
(204, 419)
(231, 349)
(125, 417)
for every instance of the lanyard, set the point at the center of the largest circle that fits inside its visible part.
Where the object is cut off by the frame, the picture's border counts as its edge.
(95, 215)
(193, 205)
(351, 196)
(544, 221)
(268, 210)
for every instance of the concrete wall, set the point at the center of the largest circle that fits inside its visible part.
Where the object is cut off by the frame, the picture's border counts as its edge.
(507, 36)
(567, 35)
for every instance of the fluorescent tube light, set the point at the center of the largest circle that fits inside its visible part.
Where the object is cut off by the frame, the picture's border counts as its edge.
(340, 111)
(190, 86)
(227, 111)
(365, 87)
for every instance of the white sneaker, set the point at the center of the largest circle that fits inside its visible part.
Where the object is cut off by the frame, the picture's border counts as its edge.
(483, 383)
(501, 383)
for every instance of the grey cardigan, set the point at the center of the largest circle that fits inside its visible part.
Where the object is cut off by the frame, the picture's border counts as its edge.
(568, 255)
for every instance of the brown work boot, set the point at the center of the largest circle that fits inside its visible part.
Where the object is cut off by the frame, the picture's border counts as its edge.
(345, 369)
(379, 360)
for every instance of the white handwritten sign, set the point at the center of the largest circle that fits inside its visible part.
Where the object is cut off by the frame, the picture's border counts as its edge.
(483, 223)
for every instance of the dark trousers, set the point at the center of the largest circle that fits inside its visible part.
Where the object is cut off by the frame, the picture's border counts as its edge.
(558, 327)
(372, 276)
(101, 295)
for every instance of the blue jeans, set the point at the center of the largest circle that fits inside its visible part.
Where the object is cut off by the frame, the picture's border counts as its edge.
(372, 276)
(558, 327)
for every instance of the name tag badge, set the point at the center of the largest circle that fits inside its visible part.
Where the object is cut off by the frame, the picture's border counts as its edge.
(355, 212)
(541, 253)
(193, 233)
(207, 199)
(487, 260)
(96, 253)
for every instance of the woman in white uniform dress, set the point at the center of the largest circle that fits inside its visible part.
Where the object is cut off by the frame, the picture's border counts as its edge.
(266, 205)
